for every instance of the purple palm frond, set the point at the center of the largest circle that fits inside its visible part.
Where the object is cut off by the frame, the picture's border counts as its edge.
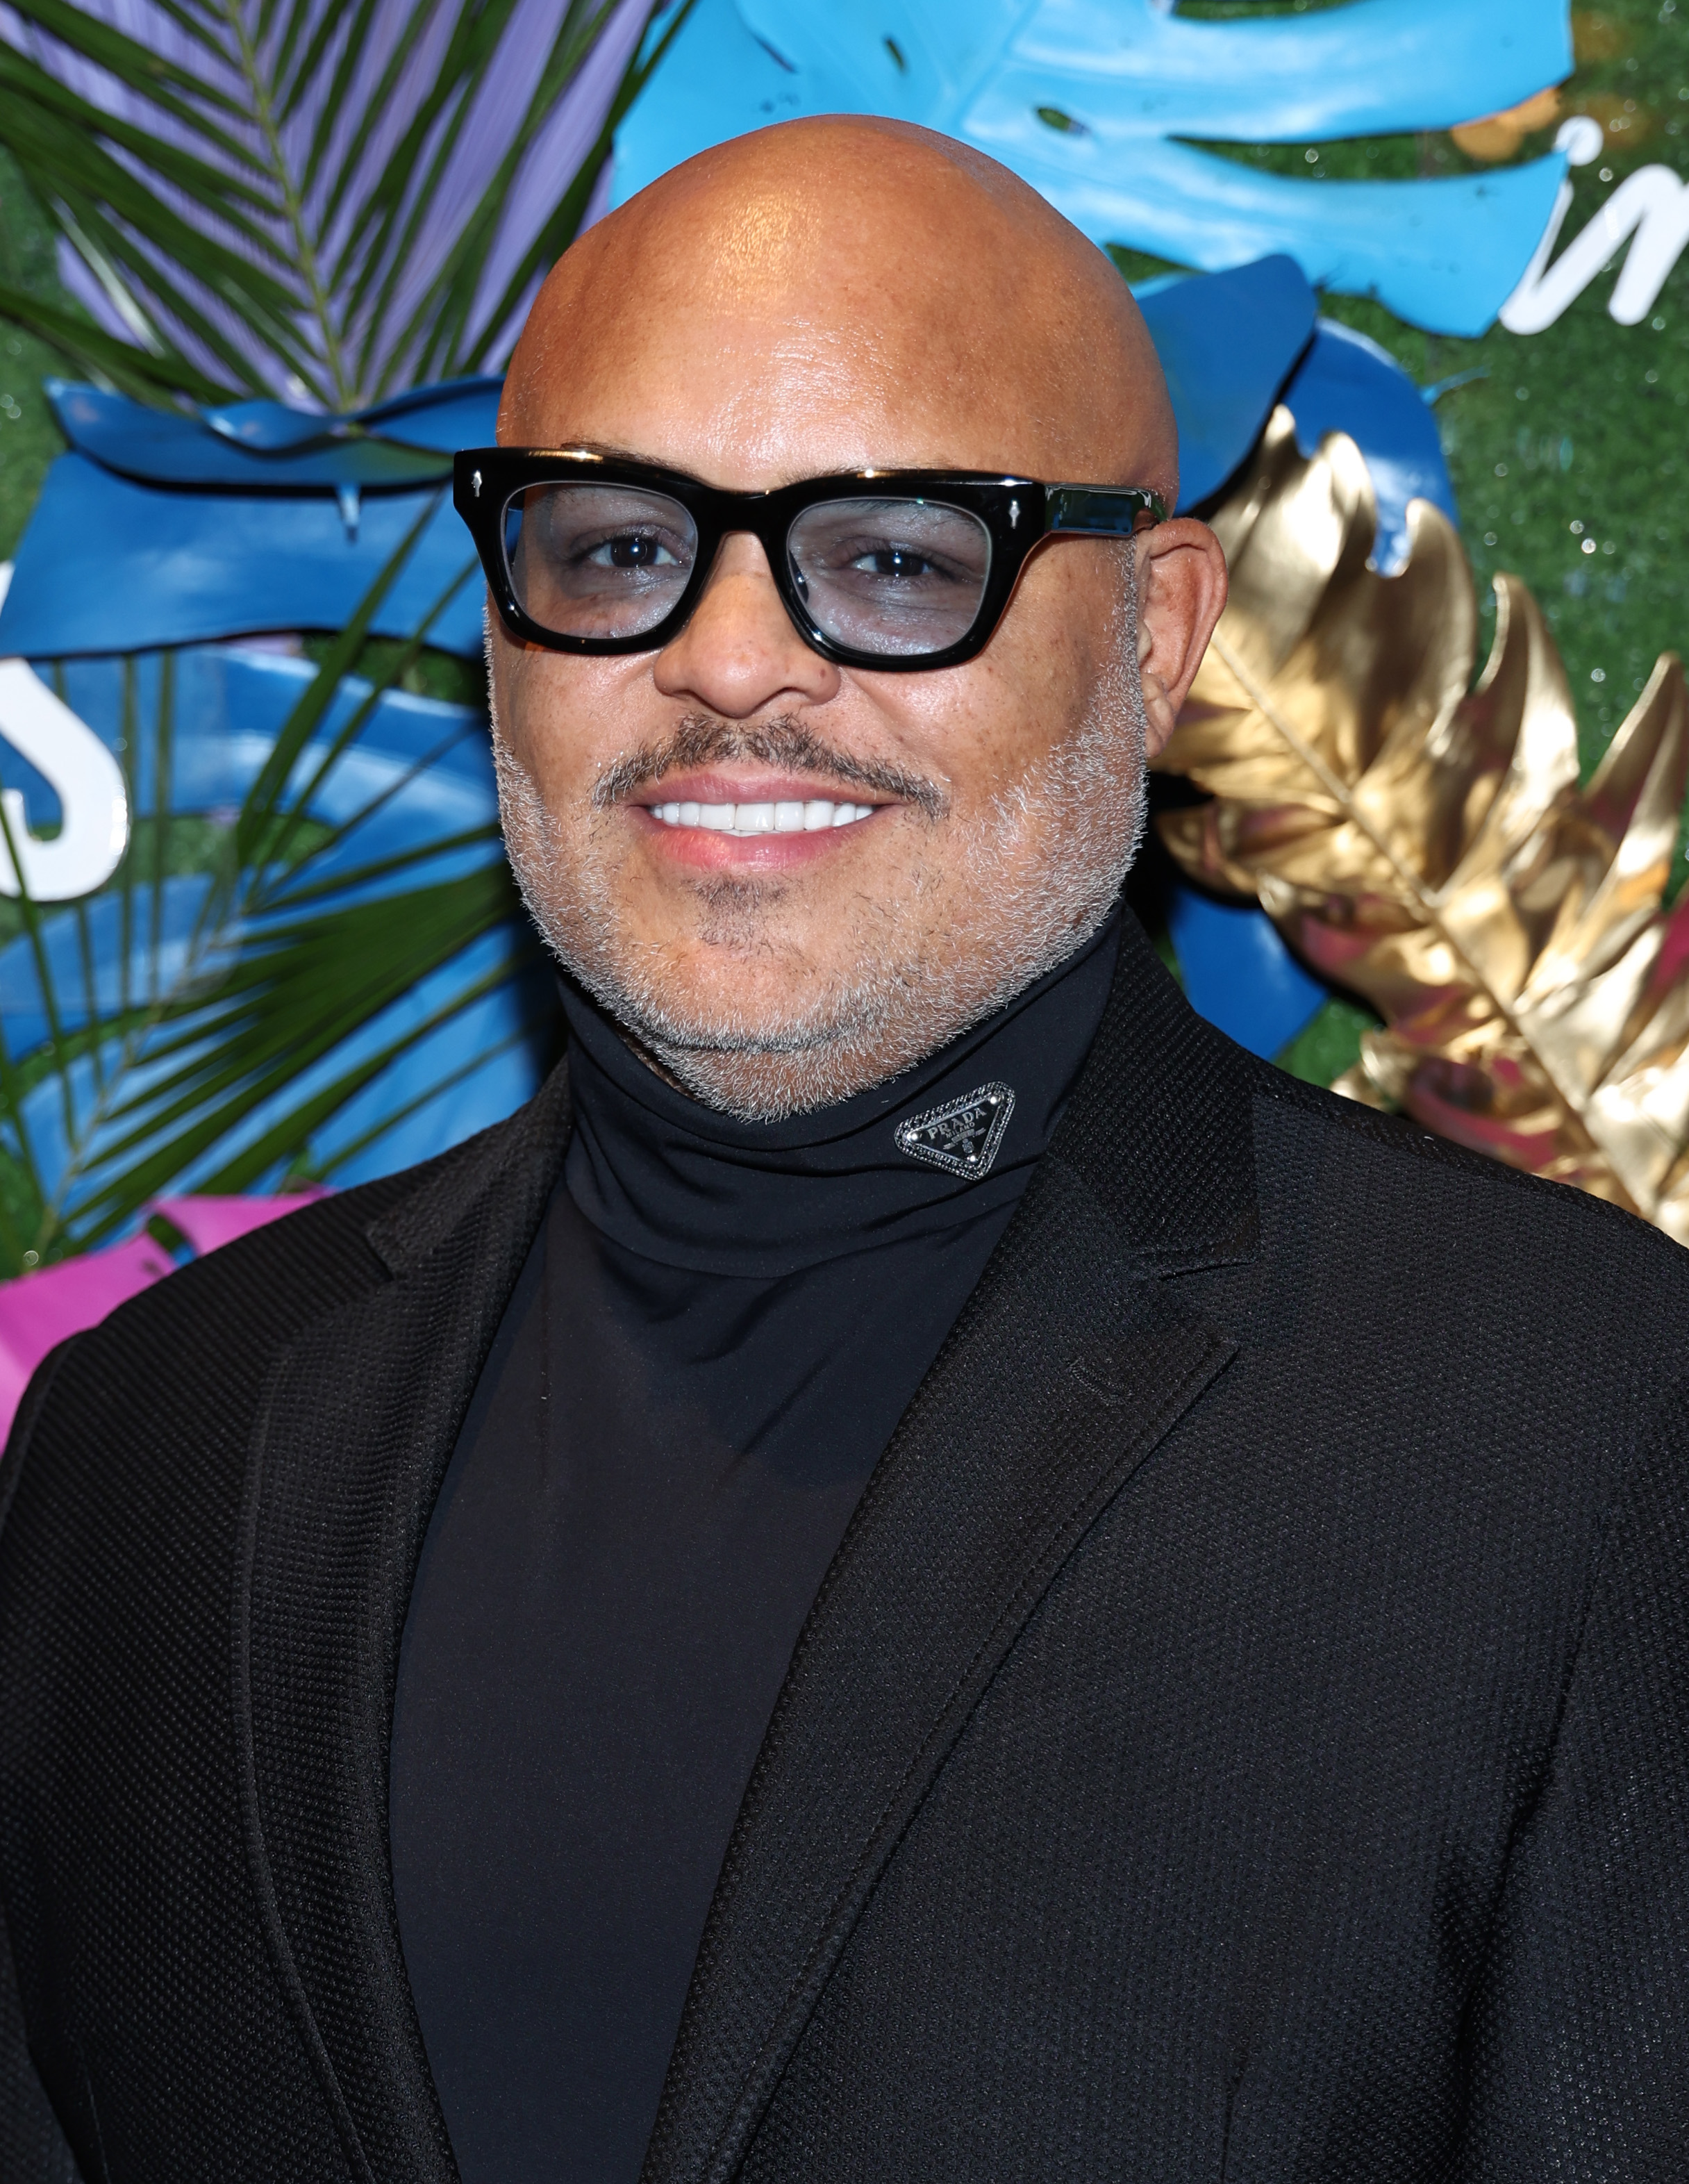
(310, 199)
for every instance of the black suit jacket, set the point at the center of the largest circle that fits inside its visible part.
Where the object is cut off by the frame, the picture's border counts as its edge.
(1243, 1735)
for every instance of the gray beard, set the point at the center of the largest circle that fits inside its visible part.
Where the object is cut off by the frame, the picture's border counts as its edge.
(914, 986)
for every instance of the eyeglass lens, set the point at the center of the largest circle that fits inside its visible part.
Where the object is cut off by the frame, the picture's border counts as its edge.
(598, 560)
(901, 577)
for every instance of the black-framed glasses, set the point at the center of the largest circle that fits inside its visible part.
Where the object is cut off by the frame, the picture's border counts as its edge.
(885, 569)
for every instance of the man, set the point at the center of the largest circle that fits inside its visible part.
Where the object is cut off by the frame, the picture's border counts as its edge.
(921, 1569)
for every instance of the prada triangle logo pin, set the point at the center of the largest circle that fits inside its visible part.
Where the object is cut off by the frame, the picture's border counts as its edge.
(963, 1136)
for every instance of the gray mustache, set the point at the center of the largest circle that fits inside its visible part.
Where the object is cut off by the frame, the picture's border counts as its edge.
(701, 739)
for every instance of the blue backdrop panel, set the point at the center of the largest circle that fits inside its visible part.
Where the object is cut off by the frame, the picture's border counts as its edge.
(255, 517)
(1227, 344)
(265, 447)
(177, 567)
(1239, 974)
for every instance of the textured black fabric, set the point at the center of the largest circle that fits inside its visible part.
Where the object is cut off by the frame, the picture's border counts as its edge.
(1242, 1733)
(675, 1424)
(36, 2149)
(155, 2015)
(345, 1460)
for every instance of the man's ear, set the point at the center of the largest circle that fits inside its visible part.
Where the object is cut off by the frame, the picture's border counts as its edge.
(1182, 590)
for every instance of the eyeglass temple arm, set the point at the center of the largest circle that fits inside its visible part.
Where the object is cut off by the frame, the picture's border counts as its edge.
(1101, 511)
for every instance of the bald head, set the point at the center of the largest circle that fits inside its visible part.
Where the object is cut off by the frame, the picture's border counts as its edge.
(842, 294)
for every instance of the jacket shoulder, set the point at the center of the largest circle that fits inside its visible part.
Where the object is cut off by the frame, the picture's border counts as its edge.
(218, 1322)
(1597, 1219)
(1506, 1263)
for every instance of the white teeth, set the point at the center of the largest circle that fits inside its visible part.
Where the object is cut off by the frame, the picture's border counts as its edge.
(783, 818)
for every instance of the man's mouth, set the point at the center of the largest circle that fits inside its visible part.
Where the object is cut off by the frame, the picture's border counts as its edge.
(746, 783)
(814, 815)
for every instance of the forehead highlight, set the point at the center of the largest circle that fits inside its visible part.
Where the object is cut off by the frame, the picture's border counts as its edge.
(865, 272)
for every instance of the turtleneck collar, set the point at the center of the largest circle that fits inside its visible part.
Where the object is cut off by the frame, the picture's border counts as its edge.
(950, 1140)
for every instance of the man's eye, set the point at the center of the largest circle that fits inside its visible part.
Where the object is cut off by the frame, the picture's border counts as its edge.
(633, 549)
(894, 561)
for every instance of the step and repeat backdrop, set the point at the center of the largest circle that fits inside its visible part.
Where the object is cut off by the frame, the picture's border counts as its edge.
(1415, 270)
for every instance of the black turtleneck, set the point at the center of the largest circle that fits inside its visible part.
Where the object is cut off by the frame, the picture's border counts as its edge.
(716, 1332)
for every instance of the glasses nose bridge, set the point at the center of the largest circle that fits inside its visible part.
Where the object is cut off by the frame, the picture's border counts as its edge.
(758, 516)
(755, 515)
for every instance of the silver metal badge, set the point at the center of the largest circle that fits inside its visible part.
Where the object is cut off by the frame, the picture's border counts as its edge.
(963, 1136)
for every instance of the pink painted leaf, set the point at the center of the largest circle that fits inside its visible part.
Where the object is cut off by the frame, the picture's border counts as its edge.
(37, 1311)
(208, 1222)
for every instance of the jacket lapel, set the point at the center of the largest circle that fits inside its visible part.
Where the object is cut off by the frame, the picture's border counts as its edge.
(359, 1424)
(1071, 1361)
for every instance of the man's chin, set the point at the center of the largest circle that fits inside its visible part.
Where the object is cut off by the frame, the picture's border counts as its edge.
(769, 999)
(760, 1059)
(768, 1087)
(767, 1035)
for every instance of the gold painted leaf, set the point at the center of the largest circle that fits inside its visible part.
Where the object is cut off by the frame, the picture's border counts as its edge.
(1425, 843)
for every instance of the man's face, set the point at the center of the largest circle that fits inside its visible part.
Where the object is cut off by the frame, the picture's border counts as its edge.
(993, 807)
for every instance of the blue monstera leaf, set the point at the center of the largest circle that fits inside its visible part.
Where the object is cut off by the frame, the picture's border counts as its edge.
(1097, 103)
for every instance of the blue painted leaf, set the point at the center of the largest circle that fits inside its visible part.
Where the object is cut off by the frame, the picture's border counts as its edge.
(1095, 102)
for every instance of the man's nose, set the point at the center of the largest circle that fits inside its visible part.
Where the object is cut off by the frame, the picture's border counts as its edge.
(739, 653)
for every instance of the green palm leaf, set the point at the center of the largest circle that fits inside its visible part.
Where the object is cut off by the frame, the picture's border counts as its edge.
(222, 1066)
